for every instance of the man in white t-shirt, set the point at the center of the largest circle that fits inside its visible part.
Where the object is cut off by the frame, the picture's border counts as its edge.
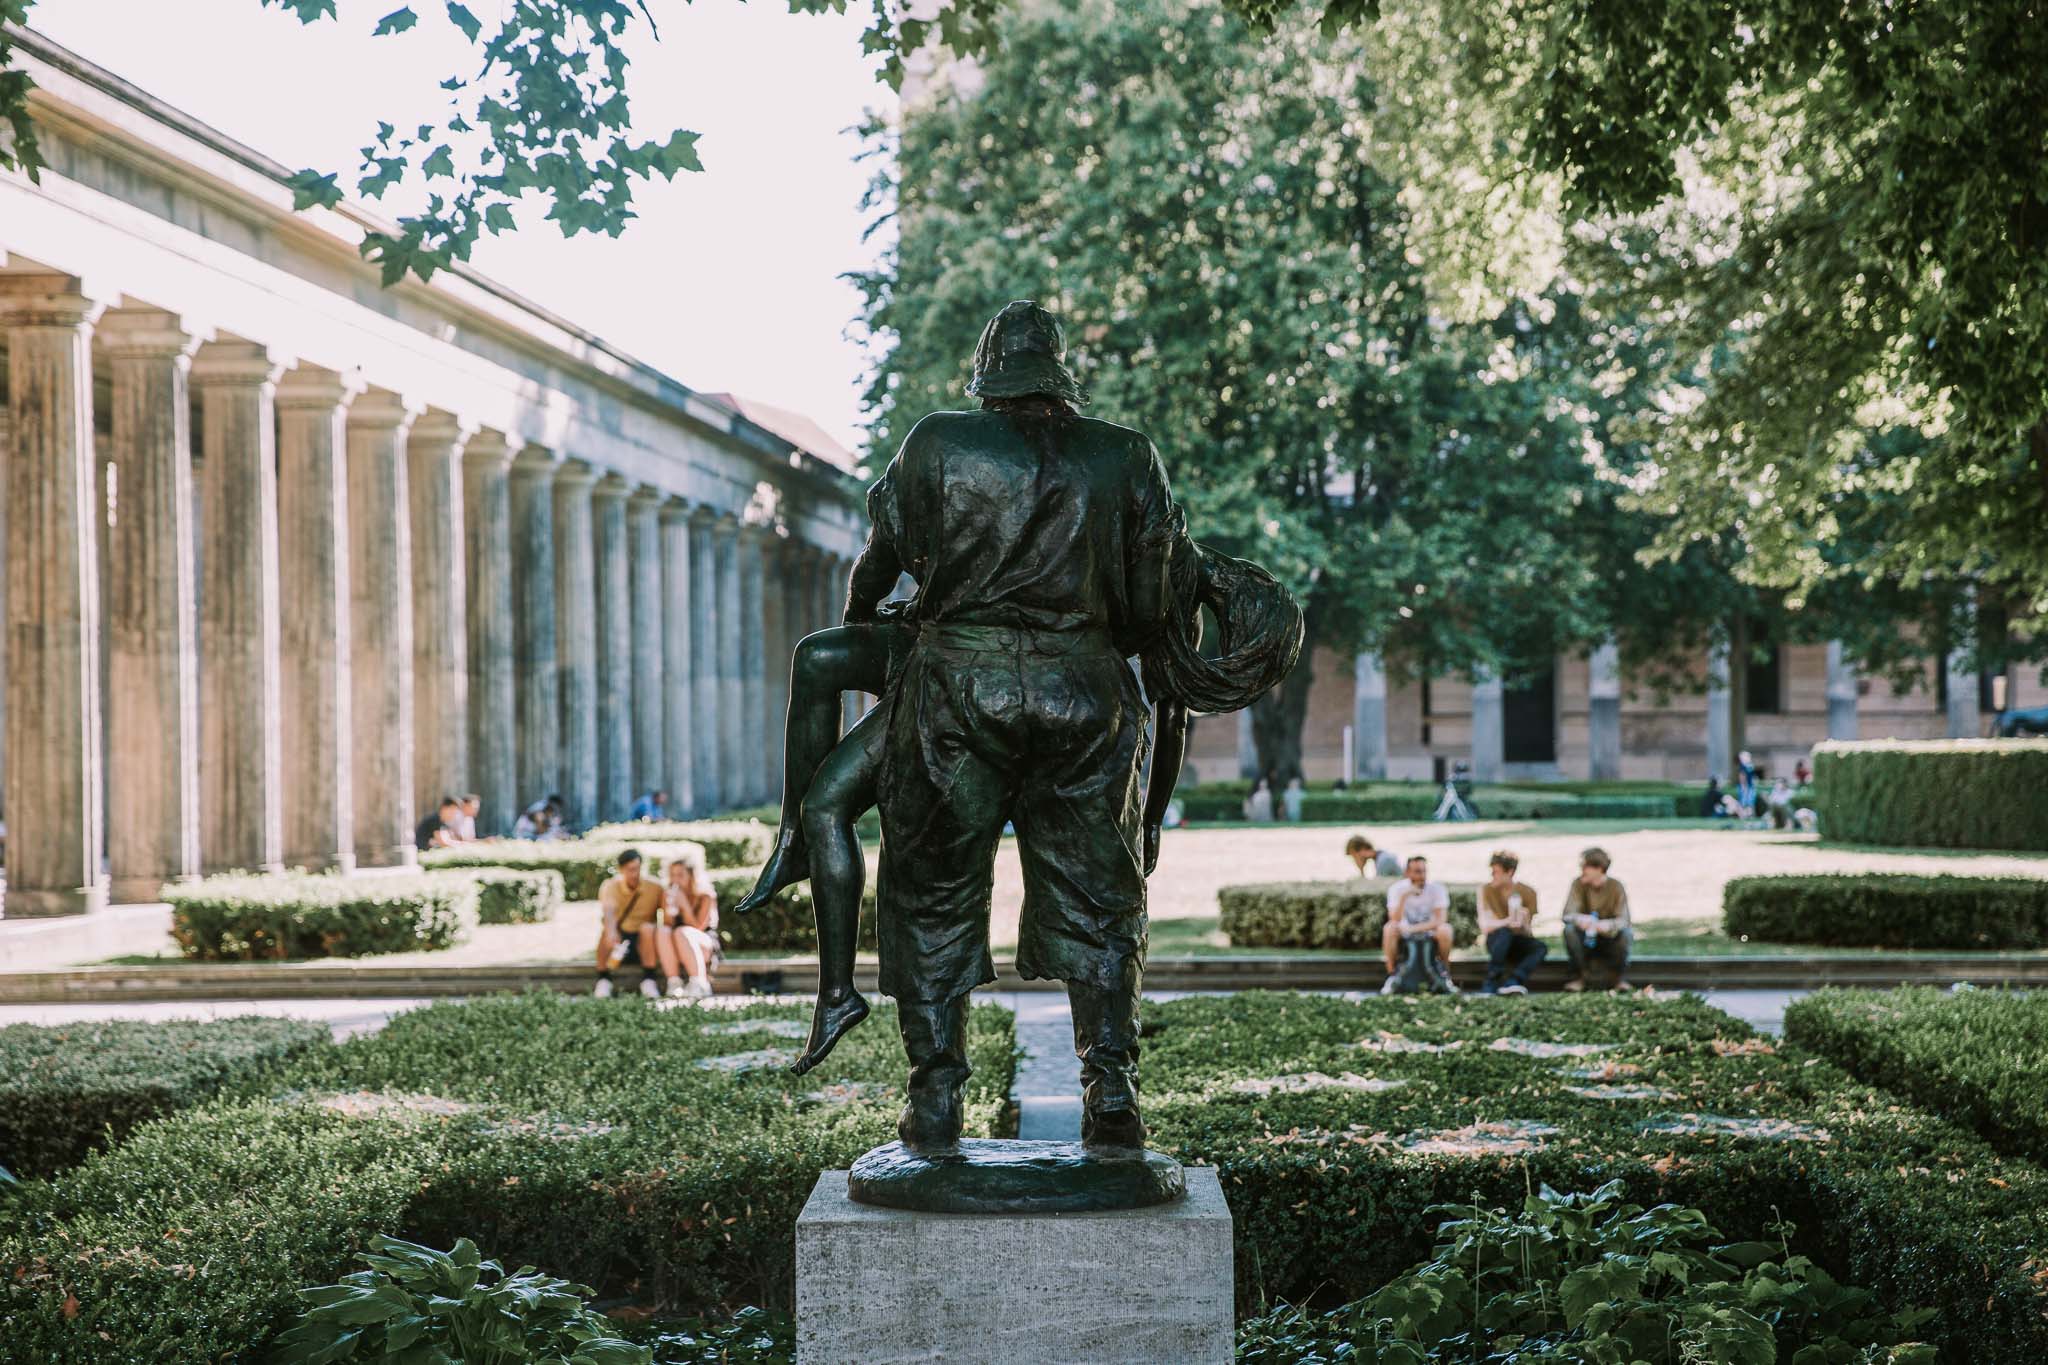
(1416, 906)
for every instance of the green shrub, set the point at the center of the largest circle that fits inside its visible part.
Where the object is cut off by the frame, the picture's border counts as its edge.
(1347, 914)
(1330, 1175)
(1416, 803)
(726, 843)
(583, 863)
(69, 1089)
(658, 1155)
(1889, 910)
(1977, 1056)
(785, 924)
(300, 915)
(1968, 793)
(509, 896)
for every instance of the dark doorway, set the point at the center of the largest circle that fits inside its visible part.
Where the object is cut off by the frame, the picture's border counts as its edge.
(1529, 720)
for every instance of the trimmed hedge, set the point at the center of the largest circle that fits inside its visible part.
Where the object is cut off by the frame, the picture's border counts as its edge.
(1961, 793)
(1347, 914)
(1977, 1056)
(297, 915)
(726, 843)
(507, 896)
(785, 924)
(583, 863)
(1328, 1179)
(1416, 803)
(1889, 910)
(70, 1089)
(658, 1155)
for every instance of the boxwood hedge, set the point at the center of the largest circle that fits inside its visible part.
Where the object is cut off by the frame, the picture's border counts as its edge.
(583, 863)
(726, 843)
(298, 915)
(1977, 1056)
(786, 924)
(659, 1155)
(1347, 914)
(1959, 793)
(508, 896)
(1889, 910)
(1416, 803)
(70, 1089)
(1334, 1124)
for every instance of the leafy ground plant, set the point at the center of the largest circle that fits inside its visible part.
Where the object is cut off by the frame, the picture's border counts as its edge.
(418, 1306)
(1592, 1280)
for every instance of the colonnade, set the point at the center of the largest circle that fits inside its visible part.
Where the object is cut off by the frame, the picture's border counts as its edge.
(269, 613)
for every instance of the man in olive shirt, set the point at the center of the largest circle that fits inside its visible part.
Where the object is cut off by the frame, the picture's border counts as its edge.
(1506, 910)
(1596, 921)
(631, 906)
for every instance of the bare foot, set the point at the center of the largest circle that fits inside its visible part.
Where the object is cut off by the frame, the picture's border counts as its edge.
(788, 864)
(830, 1019)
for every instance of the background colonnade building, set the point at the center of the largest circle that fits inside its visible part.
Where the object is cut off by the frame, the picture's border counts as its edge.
(289, 555)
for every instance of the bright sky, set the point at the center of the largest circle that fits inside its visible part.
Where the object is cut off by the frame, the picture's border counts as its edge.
(729, 280)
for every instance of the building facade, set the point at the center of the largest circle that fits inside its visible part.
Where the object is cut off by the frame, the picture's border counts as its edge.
(290, 555)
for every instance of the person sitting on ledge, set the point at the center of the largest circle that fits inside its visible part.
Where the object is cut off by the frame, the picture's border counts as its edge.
(691, 923)
(1370, 860)
(1506, 909)
(436, 828)
(632, 910)
(649, 806)
(465, 825)
(1417, 906)
(1596, 921)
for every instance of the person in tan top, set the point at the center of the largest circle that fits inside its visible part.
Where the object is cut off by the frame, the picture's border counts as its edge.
(1506, 910)
(632, 928)
(1596, 921)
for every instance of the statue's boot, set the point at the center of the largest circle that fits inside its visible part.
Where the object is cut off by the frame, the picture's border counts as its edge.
(1106, 1041)
(789, 862)
(935, 1037)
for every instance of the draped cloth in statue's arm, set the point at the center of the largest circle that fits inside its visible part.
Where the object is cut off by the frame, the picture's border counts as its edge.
(1260, 622)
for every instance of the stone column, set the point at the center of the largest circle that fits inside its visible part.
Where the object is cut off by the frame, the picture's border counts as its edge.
(1720, 714)
(778, 633)
(707, 700)
(754, 630)
(492, 691)
(440, 610)
(531, 504)
(1489, 729)
(1603, 711)
(576, 635)
(1368, 718)
(1963, 722)
(153, 634)
(650, 626)
(4, 447)
(615, 629)
(733, 753)
(678, 622)
(313, 558)
(1843, 694)
(241, 737)
(55, 798)
(1247, 746)
(380, 616)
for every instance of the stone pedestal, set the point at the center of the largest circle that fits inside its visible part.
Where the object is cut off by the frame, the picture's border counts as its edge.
(1139, 1287)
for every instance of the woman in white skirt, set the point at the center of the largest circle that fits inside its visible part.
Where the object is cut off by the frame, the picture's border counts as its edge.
(691, 914)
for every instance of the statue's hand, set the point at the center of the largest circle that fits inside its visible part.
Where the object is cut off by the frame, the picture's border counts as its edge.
(1151, 849)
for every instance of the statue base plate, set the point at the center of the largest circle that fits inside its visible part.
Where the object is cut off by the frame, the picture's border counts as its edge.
(982, 1175)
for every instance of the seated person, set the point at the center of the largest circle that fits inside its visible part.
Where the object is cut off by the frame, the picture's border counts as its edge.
(1779, 803)
(1712, 800)
(465, 827)
(1506, 909)
(690, 924)
(436, 828)
(558, 823)
(649, 806)
(1596, 921)
(1371, 861)
(532, 822)
(1417, 906)
(632, 910)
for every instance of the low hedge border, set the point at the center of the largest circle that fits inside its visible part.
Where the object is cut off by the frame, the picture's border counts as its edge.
(1347, 914)
(788, 923)
(726, 843)
(659, 1155)
(1889, 910)
(1959, 793)
(1978, 1056)
(510, 896)
(583, 863)
(1328, 1181)
(299, 915)
(74, 1088)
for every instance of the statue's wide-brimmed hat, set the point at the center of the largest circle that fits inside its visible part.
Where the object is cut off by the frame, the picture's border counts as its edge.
(1023, 351)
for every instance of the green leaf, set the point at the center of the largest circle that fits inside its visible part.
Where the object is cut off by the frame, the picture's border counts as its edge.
(498, 218)
(679, 153)
(460, 16)
(398, 21)
(311, 189)
(439, 163)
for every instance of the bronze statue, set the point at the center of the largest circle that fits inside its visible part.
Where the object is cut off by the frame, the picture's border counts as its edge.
(1047, 550)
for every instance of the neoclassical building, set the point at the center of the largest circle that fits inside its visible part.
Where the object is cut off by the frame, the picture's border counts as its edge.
(290, 555)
